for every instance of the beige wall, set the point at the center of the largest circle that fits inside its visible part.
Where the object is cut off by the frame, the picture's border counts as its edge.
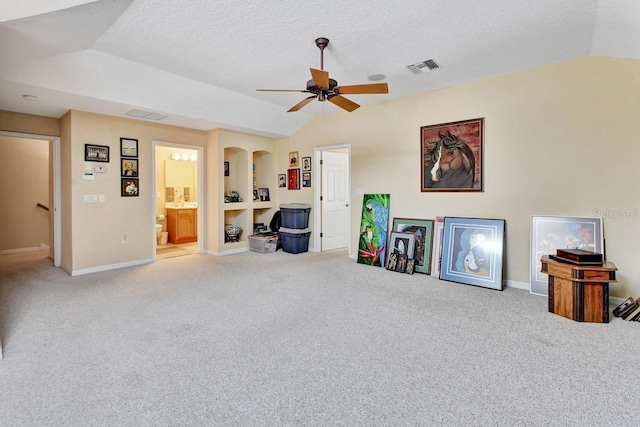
(97, 228)
(559, 140)
(24, 182)
(28, 123)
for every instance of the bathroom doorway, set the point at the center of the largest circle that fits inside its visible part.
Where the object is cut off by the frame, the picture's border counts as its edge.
(179, 202)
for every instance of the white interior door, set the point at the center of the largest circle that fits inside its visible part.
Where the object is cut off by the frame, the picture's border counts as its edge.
(335, 200)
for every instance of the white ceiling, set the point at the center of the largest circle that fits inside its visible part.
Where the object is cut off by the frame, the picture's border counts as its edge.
(200, 62)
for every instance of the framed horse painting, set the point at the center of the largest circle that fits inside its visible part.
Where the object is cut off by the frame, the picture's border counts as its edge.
(451, 156)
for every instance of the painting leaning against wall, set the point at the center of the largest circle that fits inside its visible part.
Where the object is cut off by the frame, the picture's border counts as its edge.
(374, 224)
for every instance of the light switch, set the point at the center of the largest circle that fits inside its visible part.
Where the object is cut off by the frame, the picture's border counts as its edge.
(359, 192)
(90, 198)
(101, 198)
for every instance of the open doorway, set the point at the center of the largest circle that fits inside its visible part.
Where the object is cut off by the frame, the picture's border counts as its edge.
(179, 201)
(47, 204)
(333, 212)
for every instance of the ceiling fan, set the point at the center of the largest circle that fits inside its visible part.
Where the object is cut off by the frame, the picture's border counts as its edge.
(325, 89)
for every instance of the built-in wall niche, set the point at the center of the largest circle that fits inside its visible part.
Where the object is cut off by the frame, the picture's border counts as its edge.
(180, 176)
(238, 218)
(264, 173)
(238, 172)
(263, 216)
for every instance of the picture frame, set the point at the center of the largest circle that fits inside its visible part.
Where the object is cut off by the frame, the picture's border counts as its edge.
(293, 159)
(264, 194)
(436, 252)
(294, 179)
(451, 156)
(282, 180)
(401, 260)
(374, 224)
(550, 233)
(255, 195)
(423, 230)
(472, 251)
(129, 187)
(306, 179)
(128, 147)
(402, 243)
(128, 167)
(96, 153)
(226, 168)
(306, 164)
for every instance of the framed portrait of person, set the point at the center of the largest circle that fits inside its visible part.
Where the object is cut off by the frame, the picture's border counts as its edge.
(128, 167)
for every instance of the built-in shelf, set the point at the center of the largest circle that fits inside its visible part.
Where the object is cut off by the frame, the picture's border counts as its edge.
(235, 206)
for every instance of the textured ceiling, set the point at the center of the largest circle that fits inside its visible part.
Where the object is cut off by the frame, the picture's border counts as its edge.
(200, 62)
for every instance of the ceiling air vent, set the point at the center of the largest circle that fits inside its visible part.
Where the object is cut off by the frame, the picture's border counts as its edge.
(423, 67)
(145, 115)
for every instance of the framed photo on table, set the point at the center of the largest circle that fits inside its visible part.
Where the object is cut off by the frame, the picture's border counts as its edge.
(550, 233)
(472, 251)
(264, 194)
(128, 147)
(423, 230)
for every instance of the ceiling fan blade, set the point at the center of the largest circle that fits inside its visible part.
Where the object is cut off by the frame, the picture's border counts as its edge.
(320, 78)
(282, 90)
(343, 103)
(301, 104)
(362, 89)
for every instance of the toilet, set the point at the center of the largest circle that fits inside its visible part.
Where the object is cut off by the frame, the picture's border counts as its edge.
(158, 232)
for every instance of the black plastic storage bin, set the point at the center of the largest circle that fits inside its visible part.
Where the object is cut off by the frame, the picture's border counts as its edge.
(294, 241)
(295, 215)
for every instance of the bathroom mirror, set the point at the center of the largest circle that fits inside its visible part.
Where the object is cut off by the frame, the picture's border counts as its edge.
(179, 173)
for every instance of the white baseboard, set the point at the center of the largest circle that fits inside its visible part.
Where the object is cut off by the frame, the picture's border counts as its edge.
(110, 267)
(229, 252)
(516, 285)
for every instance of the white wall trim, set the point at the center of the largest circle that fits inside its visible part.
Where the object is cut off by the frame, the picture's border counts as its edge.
(229, 252)
(516, 285)
(111, 267)
(57, 189)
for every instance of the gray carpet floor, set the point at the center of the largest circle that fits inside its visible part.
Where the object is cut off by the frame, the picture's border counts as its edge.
(298, 340)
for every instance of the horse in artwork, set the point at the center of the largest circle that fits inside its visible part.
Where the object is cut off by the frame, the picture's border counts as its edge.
(449, 164)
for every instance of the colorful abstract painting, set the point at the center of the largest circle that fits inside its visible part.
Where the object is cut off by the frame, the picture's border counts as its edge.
(373, 229)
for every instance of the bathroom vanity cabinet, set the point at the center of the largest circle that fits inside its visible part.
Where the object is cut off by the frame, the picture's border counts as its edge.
(182, 225)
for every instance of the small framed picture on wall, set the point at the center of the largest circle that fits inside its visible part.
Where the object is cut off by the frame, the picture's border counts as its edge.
(306, 179)
(293, 159)
(129, 187)
(128, 147)
(294, 179)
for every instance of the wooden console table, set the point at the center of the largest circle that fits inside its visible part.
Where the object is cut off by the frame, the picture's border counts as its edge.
(579, 292)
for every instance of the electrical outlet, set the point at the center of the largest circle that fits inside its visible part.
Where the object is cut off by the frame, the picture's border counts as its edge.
(124, 238)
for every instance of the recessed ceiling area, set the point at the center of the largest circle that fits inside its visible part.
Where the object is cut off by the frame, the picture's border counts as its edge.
(200, 63)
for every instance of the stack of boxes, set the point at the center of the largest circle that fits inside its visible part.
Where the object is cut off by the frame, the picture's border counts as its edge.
(295, 232)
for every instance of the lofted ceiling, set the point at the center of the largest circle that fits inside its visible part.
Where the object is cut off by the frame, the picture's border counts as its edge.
(199, 62)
